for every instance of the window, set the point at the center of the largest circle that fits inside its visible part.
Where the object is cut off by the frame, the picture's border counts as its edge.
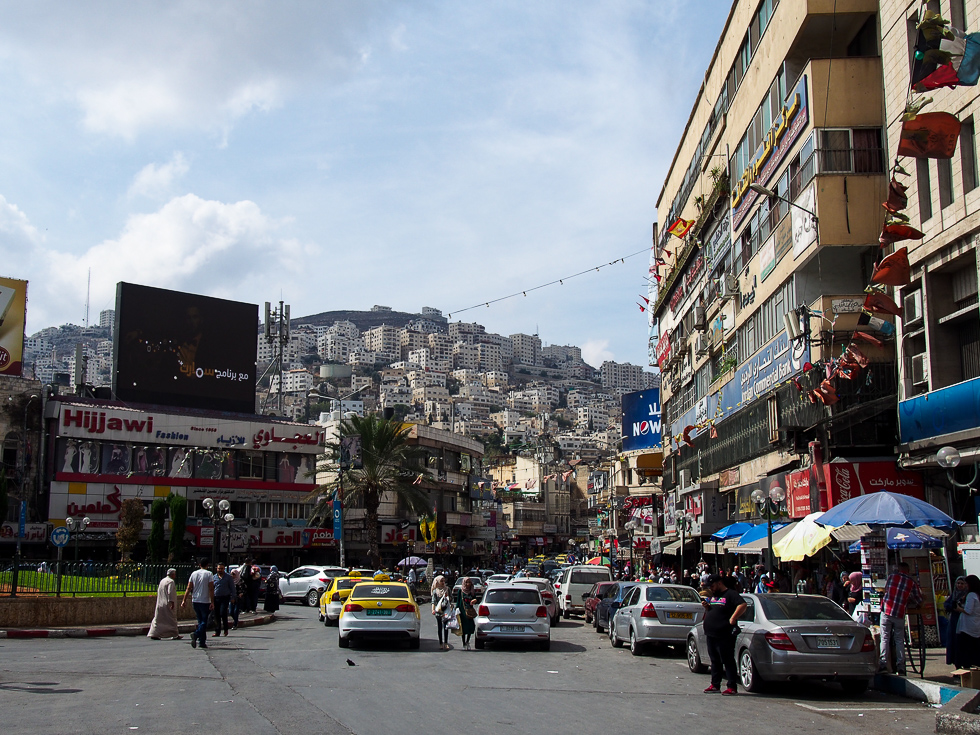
(835, 153)
(968, 153)
(868, 157)
(925, 191)
(250, 465)
(945, 182)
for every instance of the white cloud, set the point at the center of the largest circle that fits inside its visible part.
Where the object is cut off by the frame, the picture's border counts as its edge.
(157, 181)
(596, 351)
(19, 240)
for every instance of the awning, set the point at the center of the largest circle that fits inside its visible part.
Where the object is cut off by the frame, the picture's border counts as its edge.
(760, 531)
(760, 545)
(674, 546)
(850, 533)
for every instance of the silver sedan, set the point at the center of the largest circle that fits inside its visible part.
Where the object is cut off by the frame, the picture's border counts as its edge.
(513, 612)
(795, 637)
(655, 613)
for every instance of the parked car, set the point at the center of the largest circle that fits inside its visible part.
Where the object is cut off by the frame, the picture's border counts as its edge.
(513, 612)
(795, 637)
(308, 583)
(592, 598)
(547, 590)
(655, 613)
(609, 603)
(575, 581)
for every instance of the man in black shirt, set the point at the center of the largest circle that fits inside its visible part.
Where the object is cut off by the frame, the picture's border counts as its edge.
(722, 609)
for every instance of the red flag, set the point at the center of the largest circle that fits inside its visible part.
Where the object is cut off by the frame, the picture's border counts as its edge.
(868, 338)
(681, 227)
(929, 135)
(644, 298)
(897, 199)
(658, 277)
(826, 393)
(856, 356)
(881, 304)
(687, 435)
(894, 232)
(642, 307)
(894, 269)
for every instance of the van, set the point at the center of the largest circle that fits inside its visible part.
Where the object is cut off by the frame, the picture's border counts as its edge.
(574, 582)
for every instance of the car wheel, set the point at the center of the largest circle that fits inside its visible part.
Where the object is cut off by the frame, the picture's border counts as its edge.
(415, 643)
(598, 625)
(313, 597)
(545, 645)
(554, 620)
(564, 614)
(747, 672)
(694, 657)
(613, 638)
(479, 644)
(636, 648)
(854, 687)
(588, 619)
(343, 642)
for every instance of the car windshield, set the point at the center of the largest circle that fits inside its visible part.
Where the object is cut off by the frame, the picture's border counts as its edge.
(672, 594)
(370, 591)
(512, 597)
(588, 576)
(803, 607)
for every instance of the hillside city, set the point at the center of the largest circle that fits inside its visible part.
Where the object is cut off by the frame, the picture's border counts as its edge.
(508, 391)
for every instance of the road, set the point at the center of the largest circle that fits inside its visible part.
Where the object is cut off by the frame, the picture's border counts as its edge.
(291, 677)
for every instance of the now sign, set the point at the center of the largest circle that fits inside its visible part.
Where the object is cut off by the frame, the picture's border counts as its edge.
(641, 420)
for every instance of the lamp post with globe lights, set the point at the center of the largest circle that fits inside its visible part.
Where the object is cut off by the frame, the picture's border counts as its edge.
(770, 503)
(219, 511)
(949, 459)
(76, 526)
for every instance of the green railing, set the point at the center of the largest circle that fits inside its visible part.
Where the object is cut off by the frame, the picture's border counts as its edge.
(86, 579)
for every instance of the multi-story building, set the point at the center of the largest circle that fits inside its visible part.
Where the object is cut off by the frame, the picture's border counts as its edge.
(107, 319)
(466, 332)
(496, 379)
(441, 350)
(561, 355)
(490, 357)
(787, 126)
(623, 376)
(939, 337)
(383, 340)
(293, 381)
(527, 349)
(466, 356)
(336, 347)
(410, 340)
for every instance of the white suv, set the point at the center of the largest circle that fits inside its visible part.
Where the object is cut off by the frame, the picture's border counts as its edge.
(575, 582)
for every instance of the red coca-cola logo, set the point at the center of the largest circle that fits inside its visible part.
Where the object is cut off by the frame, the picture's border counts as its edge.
(4, 358)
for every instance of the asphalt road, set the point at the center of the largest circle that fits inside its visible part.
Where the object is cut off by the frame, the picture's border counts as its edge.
(291, 677)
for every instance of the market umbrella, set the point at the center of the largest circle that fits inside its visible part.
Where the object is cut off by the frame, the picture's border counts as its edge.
(905, 538)
(733, 531)
(758, 532)
(412, 561)
(598, 560)
(886, 509)
(805, 539)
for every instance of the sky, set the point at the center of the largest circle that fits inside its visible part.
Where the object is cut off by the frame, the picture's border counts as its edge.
(338, 155)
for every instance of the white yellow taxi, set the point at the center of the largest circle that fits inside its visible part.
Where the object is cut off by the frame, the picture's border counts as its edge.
(380, 610)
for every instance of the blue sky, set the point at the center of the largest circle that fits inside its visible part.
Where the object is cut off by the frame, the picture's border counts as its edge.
(347, 154)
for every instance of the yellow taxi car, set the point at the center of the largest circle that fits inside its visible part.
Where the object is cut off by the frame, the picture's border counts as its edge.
(380, 609)
(333, 599)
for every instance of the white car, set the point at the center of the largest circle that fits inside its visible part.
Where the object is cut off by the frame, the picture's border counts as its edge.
(380, 610)
(498, 579)
(548, 593)
(575, 582)
(513, 612)
(308, 583)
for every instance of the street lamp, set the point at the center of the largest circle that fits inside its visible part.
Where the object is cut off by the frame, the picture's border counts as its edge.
(217, 512)
(949, 459)
(631, 525)
(760, 189)
(685, 519)
(770, 503)
(76, 526)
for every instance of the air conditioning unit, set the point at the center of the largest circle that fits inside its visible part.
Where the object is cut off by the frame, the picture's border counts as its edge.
(912, 307)
(700, 321)
(729, 288)
(703, 345)
(685, 478)
(920, 369)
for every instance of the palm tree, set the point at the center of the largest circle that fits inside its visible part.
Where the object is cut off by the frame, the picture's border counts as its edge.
(389, 465)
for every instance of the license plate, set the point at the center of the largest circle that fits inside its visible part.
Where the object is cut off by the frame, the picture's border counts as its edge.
(386, 613)
(827, 642)
(680, 616)
(511, 628)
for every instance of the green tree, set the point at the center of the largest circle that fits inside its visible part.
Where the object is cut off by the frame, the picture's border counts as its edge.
(155, 545)
(178, 522)
(390, 466)
(130, 526)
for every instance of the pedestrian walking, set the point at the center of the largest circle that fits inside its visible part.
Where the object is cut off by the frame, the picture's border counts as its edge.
(224, 592)
(235, 606)
(465, 600)
(252, 577)
(164, 623)
(413, 579)
(854, 590)
(952, 605)
(968, 626)
(723, 608)
(200, 588)
(440, 605)
(901, 593)
(272, 593)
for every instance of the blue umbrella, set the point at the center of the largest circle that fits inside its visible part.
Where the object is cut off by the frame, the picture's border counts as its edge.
(759, 532)
(733, 531)
(905, 538)
(886, 509)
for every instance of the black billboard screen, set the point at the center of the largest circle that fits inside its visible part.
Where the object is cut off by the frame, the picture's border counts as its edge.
(180, 349)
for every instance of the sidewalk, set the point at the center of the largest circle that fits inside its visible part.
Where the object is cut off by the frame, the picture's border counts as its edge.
(245, 621)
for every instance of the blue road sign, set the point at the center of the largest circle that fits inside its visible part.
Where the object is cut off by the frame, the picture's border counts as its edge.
(60, 536)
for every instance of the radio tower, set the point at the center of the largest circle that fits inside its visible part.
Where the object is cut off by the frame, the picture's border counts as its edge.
(277, 335)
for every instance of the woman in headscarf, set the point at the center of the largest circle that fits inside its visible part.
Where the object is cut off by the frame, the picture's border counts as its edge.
(968, 626)
(465, 600)
(855, 590)
(272, 590)
(164, 623)
(955, 600)
(440, 604)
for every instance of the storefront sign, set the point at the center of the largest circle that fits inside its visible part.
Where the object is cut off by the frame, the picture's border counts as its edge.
(767, 256)
(798, 504)
(391, 534)
(663, 348)
(846, 480)
(33, 532)
(670, 511)
(804, 223)
(729, 477)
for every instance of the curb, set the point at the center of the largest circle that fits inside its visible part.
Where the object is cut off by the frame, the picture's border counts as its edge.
(957, 713)
(119, 630)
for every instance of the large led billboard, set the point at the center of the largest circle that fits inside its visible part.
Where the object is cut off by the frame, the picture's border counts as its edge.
(13, 310)
(180, 349)
(641, 420)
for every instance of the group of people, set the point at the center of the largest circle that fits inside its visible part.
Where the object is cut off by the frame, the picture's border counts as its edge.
(214, 597)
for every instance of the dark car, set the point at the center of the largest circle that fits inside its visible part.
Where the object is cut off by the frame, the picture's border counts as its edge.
(592, 598)
(609, 603)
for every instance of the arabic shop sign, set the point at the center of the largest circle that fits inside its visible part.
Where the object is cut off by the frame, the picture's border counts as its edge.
(786, 128)
(127, 425)
(846, 480)
(755, 377)
(663, 348)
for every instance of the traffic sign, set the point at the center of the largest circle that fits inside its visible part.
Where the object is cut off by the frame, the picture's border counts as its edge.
(60, 536)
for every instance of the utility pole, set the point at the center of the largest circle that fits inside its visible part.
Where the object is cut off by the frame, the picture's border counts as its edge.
(277, 335)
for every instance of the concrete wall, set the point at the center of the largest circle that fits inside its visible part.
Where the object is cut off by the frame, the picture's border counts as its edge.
(54, 612)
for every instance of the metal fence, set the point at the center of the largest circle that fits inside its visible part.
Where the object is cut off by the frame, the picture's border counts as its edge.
(85, 578)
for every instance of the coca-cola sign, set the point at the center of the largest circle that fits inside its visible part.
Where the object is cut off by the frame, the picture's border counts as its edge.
(846, 480)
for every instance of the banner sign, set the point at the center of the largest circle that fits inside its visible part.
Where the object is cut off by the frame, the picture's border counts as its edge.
(846, 480)
(13, 311)
(641, 420)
